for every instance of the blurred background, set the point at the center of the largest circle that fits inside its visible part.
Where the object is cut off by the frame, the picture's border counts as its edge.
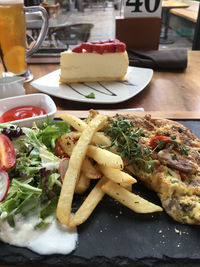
(75, 21)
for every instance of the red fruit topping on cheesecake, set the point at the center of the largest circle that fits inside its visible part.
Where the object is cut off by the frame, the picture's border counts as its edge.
(101, 47)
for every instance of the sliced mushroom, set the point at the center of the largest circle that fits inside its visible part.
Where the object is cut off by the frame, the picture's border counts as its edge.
(177, 161)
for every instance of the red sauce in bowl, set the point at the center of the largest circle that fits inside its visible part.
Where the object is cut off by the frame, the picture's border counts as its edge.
(22, 112)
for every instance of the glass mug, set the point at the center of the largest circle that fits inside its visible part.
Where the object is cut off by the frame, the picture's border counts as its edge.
(13, 52)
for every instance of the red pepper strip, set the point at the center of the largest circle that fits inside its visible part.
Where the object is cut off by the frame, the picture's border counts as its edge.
(183, 175)
(156, 139)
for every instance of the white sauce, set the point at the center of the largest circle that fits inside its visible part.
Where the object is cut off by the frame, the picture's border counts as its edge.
(55, 238)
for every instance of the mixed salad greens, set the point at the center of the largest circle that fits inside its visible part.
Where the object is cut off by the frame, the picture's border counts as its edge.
(33, 181)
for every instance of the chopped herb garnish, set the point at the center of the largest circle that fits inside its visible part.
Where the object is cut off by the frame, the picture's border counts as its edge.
(127, 141)
(149, 166)
(184, 150)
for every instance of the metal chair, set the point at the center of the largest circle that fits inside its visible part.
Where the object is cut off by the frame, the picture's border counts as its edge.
(74, 33)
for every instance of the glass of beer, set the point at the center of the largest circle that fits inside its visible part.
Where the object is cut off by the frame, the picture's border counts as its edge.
(13, 51)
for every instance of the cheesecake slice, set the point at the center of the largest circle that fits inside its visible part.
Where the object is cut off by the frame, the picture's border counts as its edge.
(96, 61)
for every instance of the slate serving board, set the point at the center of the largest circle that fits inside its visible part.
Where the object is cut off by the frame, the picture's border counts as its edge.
(116, 236)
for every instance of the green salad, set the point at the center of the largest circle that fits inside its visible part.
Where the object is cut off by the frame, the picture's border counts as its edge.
(33, 182)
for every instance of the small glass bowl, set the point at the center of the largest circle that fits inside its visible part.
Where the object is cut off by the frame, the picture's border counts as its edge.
(11, 86)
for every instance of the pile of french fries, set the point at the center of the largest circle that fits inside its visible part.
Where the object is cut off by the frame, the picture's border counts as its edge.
(108, 169)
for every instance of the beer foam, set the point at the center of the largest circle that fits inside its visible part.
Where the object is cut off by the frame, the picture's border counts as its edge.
(5, 2)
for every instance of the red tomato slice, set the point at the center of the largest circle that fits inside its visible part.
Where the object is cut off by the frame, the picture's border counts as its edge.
(58, 149)
(7, 153)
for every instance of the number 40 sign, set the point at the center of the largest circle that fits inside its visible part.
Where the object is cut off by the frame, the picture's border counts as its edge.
(142, 8)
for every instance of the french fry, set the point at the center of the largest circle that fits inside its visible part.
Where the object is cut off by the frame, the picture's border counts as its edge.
(75, 122)
(101, 139)
(89, 170)
(105, 157)
(78, 124)
(63, 211)
(82, 184)
(92, 200)
(67, 140)
(128, 199)
(126, 186)
(117, 176)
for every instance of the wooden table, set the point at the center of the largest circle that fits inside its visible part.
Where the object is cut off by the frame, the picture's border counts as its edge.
(174, 4)
(169, 94)
(166, 6)
(187, 14)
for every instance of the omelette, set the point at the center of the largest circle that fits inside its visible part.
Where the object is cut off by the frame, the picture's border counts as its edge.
(165, 156)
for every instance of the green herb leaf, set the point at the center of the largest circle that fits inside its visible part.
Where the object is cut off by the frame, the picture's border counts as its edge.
(91, 95)
(49, 133)
(126, 139)
(185, 150)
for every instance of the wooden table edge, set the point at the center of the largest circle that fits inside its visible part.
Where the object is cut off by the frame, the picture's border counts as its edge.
(181, 115)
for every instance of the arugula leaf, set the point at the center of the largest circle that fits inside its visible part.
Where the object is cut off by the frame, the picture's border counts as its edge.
(51, 132)
(26, 188)
(11, 204)
(53, 179)
(49, 208)
(31, 202)
(48, 159)
(32, 137)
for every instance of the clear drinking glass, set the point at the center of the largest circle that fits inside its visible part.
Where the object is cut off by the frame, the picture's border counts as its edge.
(13, 52)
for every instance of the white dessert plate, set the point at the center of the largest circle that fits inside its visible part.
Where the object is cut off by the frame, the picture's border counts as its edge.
(40, 100)
(105, 92)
